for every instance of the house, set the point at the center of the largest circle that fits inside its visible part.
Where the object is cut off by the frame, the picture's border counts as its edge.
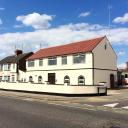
(123, 75)
(12, 66)
(84, 63)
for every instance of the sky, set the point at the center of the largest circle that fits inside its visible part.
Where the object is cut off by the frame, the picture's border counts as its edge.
(34, 24)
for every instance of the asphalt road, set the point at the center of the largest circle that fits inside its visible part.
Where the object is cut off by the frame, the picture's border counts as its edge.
(19, 113)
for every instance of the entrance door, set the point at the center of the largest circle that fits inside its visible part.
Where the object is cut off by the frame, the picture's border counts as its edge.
(51, 78)
(112, 81)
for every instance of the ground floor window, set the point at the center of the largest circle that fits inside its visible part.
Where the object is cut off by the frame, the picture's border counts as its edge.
(67, 79)
(81, 80)
(30, 79)
(7, 78)
(40, 79)
(13, 78)
(126, 75)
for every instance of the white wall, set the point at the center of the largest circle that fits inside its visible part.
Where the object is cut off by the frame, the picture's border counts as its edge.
(70, 65)
(52, 88)
(60, 74)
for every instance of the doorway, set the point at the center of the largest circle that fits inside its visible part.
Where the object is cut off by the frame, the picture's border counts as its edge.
(112, 81)
(51, 78)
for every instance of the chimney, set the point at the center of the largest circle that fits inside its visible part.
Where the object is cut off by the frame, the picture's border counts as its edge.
(18, 52)
(126, 65)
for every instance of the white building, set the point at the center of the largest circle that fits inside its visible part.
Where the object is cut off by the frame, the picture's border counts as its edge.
(12, 67)
(89, 62)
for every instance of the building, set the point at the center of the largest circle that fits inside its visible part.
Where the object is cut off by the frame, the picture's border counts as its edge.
(123, 75)
(11, 67)
(89, 62)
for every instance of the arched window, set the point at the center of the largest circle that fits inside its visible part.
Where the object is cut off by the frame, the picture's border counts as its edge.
(40, 79)
(30, 79)
(67, 79)
(81, 80)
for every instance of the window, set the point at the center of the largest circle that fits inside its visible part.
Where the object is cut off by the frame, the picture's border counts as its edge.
(105, 46)
(1, 67)
(41, 62)
(64, 60)
(126, 75)
(30, 79)
(7, 78)
(40, 79)
(7, 67)
(67, 80)
(52, 61)
(0, 78)
(13, 78)
(79, 58)
(13, 66)
(31, 63)
(81, 80)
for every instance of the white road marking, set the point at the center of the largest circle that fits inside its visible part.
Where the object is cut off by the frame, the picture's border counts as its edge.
(111, 105)
(126, 107)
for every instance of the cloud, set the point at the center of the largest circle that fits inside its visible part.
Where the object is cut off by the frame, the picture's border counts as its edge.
(59, 35)
(36, 20)
(1, 22)
(121, 53)
(123, 19)
(122, 66)
(84, 14)
(2, 9)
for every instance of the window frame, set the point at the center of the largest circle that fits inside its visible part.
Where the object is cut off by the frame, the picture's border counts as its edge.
(77, 57)
(67, 80)
(80, 79)
(31, 63)
(40, 62)
(63, 59)
(52, 59)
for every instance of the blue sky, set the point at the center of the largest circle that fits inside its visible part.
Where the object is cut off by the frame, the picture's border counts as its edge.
(29, 23)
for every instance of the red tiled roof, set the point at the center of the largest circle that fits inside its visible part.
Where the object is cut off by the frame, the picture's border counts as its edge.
(77, 47)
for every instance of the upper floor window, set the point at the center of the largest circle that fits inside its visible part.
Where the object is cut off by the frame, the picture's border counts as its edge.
(52, 61)
(64, 60)
(7, 67)
(41, 62)
(78, 58)
(13, 66)
(31, 63)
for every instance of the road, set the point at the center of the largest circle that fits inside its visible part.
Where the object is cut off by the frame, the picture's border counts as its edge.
(21, 113)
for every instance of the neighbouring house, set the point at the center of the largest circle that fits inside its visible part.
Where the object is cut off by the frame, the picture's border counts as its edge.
(123, 75)
(11, 67)
(89, 62)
